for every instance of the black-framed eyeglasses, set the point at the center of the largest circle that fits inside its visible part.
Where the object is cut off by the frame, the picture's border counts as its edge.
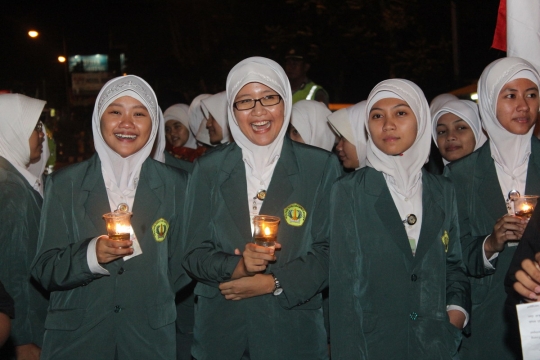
(39, 127)
(248, 104)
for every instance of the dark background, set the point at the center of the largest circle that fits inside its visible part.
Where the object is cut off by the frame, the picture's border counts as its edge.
(185, 48)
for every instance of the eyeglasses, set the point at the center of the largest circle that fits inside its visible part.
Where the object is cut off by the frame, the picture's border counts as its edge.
(39, 127)
(248, 104)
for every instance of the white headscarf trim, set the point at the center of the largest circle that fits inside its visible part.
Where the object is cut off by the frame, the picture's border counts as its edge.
(509, 150)
(309, 118)
(349, 123)
(19, 115)
(216, 105)
(261, 159)
(404, 171)
(467, 111)
(438, 102)
(179, 112)
(197, 121)
(122, 171)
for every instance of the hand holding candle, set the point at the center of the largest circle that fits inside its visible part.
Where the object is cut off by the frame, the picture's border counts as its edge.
(117, 243)
(258, 254)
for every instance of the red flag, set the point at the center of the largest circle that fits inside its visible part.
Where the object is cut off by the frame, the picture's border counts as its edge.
(499, 39)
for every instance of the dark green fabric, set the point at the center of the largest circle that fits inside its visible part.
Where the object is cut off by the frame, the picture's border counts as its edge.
(480, 204)
(288, 326)
(20, 209)
(178, 163)
(386, 303)
(132, 311)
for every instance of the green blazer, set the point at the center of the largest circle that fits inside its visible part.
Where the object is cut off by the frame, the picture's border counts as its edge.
(131, 313)
(178, 163)
(288, 326)
(20, 209)
(386, 303)
(480, 204)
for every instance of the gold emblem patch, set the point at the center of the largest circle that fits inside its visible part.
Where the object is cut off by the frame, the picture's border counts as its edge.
(445, 240)
(159, 229)
(295, 214)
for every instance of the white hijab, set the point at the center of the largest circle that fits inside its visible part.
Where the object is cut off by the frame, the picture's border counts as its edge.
(261, 159)
(349, 123)
(467, 111)
(216, 105)
(197, 122)
(438, 102)
(309, 118)
(509, 150)
(179, 112)
(19, 115)
(403, 172)
(121, 174)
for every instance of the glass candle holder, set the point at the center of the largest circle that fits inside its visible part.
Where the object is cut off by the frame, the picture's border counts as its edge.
(524, 205)
(118, 225)
(265, 230)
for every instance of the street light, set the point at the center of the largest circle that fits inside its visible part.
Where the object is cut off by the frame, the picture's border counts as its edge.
(62, 59)
(33, 34)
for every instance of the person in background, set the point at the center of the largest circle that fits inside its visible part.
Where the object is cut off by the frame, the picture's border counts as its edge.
(181, 141)
(309, 125)
(297, 65)
(21, 196)
(215, 111)
(247, 294)
(394, 230)
(7, 312)
(438, 102)
(197, 121)
(508, 163)
(348, 124)
(457, 130)
(114, 299)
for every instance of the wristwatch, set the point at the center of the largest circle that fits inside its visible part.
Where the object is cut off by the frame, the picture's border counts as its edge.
(277, 288)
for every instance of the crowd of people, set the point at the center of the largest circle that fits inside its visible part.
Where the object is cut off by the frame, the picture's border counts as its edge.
(378, 256)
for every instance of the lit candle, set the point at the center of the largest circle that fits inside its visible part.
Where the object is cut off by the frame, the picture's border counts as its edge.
(265, 229)
(118, 225)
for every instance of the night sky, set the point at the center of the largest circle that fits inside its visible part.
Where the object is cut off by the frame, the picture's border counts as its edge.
(184, 48)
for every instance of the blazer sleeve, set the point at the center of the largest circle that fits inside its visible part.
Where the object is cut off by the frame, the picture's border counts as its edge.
(472, 247)
(348, 339)
(203, 260)
(14, 268)
(177, 248)
(458, 288)
(60, 263)
(306, 276)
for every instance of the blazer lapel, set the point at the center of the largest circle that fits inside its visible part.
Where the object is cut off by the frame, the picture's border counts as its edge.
(388, 213)
(150, 190)
(432, 217)
(487, 183)
(281, 185)
(532, 186)
(93, 196)
(233, 190)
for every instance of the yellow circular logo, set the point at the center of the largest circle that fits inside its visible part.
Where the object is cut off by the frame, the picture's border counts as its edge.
(159, 229)
(295, 214)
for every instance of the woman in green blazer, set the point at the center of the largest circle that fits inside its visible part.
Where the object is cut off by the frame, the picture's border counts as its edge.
(509, 161)
(259, 304)
(114, 299)
(398, 288)
(21, 196)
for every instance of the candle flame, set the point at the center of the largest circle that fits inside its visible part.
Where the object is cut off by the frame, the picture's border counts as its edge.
(526, 207)
(267, 231)
(122, 229)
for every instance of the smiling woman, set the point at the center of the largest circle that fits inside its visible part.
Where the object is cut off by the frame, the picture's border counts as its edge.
(94, 278)
(248, 293)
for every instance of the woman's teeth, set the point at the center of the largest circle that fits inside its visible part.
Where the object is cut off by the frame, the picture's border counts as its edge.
(125, 136)
(260, 125)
